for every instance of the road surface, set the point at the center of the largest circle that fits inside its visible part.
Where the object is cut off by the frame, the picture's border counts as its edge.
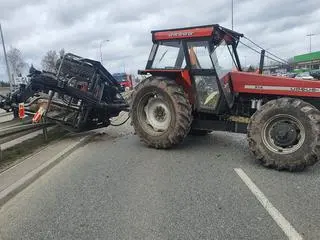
(4, 91)
(116, 188)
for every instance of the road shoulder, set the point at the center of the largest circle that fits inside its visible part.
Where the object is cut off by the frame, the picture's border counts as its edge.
(18, 177)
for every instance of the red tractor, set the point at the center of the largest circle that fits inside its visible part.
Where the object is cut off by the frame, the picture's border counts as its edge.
(124, 79)
(197, 85)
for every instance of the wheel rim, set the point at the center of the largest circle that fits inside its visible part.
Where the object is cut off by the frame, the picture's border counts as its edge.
(154, 114)
(283, 134)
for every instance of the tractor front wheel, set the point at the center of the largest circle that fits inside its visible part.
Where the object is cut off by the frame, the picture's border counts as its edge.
(285, 134)
(160, 112)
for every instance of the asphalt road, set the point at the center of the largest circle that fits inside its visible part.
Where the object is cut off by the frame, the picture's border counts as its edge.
(4, 91)
(116, 188)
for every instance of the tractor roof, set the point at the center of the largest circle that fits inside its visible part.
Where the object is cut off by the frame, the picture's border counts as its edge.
(192, 32)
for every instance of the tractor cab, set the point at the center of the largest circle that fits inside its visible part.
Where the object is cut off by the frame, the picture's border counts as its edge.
(199, 58)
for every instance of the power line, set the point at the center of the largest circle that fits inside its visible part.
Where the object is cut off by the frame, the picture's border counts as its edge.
(276, 60)
(250, 47)
(285, 63)
(266, 50)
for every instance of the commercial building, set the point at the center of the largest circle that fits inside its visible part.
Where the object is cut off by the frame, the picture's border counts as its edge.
(299, 63)
(307, 61)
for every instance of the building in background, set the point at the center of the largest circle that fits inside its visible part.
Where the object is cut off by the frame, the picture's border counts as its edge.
(307, 61)
(276, 69)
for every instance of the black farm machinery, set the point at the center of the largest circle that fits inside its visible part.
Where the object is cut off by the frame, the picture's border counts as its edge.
(81, 95)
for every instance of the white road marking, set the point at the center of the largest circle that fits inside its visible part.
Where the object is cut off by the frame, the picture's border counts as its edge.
(283, 223)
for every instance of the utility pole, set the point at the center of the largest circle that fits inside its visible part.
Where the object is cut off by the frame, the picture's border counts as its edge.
(232, 14)
(310, 35)
(106, 40)
(6, 59)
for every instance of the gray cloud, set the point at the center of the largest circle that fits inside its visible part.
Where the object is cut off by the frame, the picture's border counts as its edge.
(8, 8)
(67, 13)
(79, 26)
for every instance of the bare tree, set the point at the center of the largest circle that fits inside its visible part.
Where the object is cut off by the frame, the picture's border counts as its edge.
(61, 52)
(16, 61)
(49, 61)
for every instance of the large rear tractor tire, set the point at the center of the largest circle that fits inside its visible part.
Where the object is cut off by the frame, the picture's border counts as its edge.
(160, 112)
(285, 134)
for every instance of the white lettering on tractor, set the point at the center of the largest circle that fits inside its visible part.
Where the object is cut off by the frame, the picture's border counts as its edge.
(299, 89)
(180, 34)
(282, 88)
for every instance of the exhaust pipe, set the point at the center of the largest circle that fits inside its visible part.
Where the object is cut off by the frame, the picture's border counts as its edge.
(261, 61)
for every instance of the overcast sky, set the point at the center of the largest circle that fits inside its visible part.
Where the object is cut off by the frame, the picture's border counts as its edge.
(36, 26)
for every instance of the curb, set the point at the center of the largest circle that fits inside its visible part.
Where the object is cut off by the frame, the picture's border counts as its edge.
(4, 114)
(22, 159)
(26, 180)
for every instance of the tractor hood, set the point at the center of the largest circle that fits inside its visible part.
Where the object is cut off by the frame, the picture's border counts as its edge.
(244, 82)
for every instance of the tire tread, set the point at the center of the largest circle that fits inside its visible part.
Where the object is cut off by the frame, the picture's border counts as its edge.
(183, 112)
(310, 158)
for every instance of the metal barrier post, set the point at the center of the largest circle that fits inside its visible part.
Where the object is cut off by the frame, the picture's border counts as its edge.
(45, 130)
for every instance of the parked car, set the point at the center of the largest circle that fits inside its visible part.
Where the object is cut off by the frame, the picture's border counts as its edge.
(291, 75)
(315, 73)
(305, 76)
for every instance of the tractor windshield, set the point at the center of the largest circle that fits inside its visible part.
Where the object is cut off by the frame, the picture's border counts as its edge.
(199, 55)
(223, 59)
(169, 55)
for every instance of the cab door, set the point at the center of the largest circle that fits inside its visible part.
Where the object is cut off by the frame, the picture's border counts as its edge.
(206, 82)
(223, 59)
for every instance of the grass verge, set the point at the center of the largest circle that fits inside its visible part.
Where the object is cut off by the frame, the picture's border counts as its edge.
(19, 152)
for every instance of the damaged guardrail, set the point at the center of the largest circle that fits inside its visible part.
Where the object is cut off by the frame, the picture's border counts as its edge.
(17, 128)
(10, 133)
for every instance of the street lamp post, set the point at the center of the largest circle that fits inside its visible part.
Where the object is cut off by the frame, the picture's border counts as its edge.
(6, 59)
(311, 35)
(106, 40)
(232, 14)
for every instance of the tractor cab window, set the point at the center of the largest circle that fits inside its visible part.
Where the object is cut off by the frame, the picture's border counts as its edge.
(223, 59)
(206, 83)
(199, 55)
(169, 55)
